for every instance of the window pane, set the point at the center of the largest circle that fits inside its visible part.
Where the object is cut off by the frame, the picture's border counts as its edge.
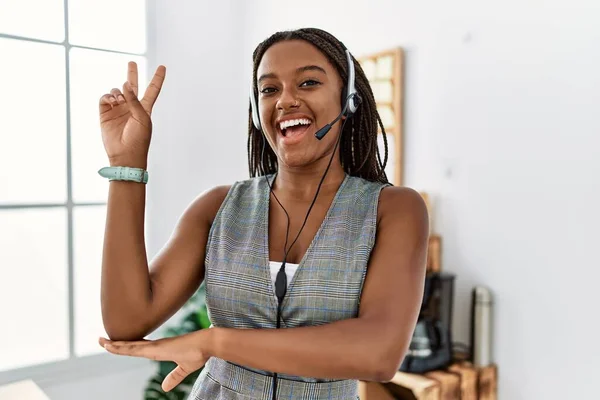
(39, 19)
(108, 24)
(33, 287)
(33, 123)
(88, 237)
(94, 73)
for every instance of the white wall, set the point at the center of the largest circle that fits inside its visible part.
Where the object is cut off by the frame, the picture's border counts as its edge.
(501, 127)
(200, 127)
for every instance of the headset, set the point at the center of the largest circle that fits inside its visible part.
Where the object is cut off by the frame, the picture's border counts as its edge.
(351, 101)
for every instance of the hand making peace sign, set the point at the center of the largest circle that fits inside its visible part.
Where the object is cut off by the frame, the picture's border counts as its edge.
(125, 121)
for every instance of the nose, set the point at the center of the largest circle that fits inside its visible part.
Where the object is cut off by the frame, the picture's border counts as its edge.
(287, 100)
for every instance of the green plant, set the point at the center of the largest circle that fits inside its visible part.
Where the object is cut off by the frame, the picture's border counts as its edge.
(195, 318)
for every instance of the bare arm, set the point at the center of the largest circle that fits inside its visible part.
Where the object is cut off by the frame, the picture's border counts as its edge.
(369, 347)
(136, 297)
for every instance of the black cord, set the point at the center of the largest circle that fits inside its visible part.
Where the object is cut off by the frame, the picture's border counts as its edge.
(281, 278)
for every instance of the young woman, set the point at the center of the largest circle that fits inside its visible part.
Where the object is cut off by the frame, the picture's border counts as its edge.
(314, 266)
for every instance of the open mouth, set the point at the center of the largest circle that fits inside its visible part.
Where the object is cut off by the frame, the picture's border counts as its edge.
(294, 127)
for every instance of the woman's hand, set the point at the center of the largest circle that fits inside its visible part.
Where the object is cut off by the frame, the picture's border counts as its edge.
(126, 122)
(187, 351)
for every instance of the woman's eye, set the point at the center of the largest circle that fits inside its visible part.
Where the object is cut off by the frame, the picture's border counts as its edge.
(267, 90)
(310, 82)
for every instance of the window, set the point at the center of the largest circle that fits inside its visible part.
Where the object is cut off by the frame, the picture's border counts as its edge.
(58, 58)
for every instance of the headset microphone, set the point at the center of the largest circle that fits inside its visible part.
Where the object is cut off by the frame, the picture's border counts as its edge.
(355, 98)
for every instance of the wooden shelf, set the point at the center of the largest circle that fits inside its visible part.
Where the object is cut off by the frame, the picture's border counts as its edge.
(460, 381)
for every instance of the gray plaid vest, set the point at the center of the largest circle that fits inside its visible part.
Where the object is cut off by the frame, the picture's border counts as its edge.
(326, 287)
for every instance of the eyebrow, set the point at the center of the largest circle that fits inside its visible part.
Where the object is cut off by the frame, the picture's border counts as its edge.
(300, 69)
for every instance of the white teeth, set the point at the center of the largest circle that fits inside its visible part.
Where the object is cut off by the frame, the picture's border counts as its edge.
(293, 122)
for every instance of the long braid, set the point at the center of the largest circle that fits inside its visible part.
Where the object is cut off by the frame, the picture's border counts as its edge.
(359, 150)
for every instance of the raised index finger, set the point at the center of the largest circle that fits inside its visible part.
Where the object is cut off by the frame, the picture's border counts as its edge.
(132, 76)
(154, 88)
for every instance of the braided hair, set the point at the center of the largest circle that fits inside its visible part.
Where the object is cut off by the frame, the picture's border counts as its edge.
(359, 151)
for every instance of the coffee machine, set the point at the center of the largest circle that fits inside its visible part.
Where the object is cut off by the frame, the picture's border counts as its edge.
(431, 344)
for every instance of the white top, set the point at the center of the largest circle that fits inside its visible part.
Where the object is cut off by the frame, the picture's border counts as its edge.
(290, 270)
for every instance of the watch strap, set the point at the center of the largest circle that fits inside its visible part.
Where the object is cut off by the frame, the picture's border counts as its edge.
(124, 174)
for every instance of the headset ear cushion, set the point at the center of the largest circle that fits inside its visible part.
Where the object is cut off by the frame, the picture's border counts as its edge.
(357, 100)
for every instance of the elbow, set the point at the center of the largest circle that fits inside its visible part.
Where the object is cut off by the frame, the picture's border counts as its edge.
(115, 333)
(384, 372)
(380, 357)
(386, 363)
(386, 375)
(123, 331)
(389, 354)
(117, 336)
(126, 323)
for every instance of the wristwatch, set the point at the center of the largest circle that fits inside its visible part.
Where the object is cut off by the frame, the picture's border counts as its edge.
(124, 174)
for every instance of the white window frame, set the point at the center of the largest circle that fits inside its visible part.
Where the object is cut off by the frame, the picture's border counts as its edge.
(75, 367)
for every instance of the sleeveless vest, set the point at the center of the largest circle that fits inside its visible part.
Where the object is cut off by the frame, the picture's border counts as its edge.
(325, 288)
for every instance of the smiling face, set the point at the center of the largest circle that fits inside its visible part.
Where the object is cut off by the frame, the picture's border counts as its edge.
(299, 92)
